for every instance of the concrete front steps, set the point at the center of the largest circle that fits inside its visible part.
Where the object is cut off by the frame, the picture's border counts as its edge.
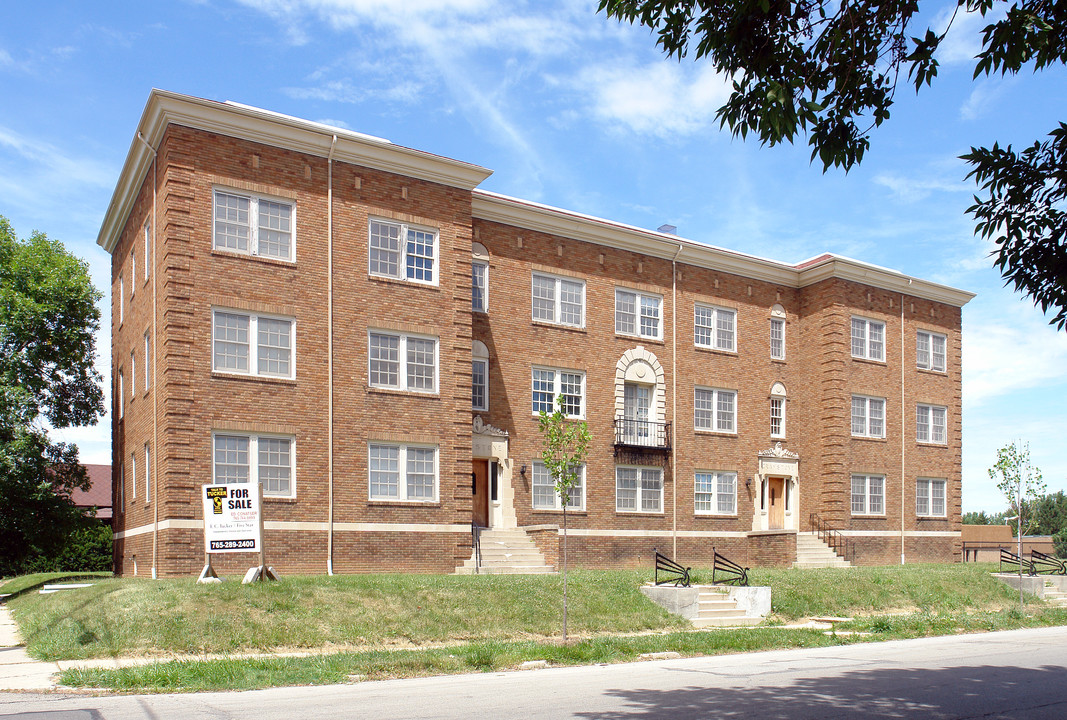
(1054, 596)
(716, 609)
(506, 552)
(814, 553)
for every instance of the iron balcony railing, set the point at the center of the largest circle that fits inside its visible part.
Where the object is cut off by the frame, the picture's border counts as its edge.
(642, 434)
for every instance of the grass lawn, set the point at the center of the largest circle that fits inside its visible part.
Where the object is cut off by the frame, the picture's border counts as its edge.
(404, 625)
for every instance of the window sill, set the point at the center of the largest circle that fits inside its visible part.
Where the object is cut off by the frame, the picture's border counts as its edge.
(645, 513)
(856, 516)
(218, 252)
(869, 439)
(713, 516)
(931, 518)
(403, 393)
(570, 511)
(281, 499)
(719, 433)
(558, 326)
(537, 418)
(641, 338)
(928, 371)
(779, 361)
(715, 351)
(405, 503)
(927, 443)
(218, 374)
(406, 283)
(870, 361)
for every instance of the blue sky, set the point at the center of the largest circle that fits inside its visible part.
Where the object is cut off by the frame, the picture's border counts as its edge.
(569, 109)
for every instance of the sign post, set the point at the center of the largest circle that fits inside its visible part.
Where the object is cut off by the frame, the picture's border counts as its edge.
(233, 523)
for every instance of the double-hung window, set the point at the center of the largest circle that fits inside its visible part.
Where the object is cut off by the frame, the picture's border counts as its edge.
(930, 424)
(930, 497)
(479, 286)
(147, 361)
(133, 475)
(269, 458)
(777, 417)
(406, 473)
(558, 300)
(715, 493)
(930, 351)
(638, 489)
(868, 495)
(715, 328)
(248, 344)
(403, 252)
(403, 362)
(133, 374)
(715, 410)
(147, 248)
(147, 473)
(777, 339)
(549, 383)
(868, 416)
(868, 339)
(543, 490)
(638, 313)
(254, 225)
(480, 384)
(122, 395)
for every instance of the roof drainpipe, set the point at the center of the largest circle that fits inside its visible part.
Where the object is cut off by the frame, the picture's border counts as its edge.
(329, 350)
(903, 414)
(674, 398)
(155, 395)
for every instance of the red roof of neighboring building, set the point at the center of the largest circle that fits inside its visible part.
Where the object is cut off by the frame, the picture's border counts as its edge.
(99, 493)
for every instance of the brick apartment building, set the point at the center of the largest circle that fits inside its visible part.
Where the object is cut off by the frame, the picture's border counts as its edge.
(359, 327)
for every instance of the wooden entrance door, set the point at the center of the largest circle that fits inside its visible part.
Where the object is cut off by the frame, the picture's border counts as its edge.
(480, 488)
(776, 500)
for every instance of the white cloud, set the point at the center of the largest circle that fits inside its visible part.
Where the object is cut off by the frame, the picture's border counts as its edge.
(55, 167)
(911, 189)
(984, 97)
(5, 58)
(661, 99)
(964, 39)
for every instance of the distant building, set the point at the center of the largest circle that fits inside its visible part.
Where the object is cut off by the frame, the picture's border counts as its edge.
(359, 328)
(98, 495)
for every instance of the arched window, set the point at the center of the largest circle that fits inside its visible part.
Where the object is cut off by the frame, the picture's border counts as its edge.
(778, 410)
(479, 376)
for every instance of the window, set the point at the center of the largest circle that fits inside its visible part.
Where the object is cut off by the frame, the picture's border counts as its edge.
(868, 416)
(237, 337)
(930, 351)
(638, 489)
(549, 383)
(403, 472)
(147, 248)
(133, 374)
(777, 339)
(480, 384)
(133, 272)
(122, 299)
(122, 485)
(479, 286)
(122, 395)
(777, 417)
(868, 339)
(543, 490)
(930, 424)
(269, 458)
(558, 300)
(254, 225)
(403, 252)
(716, 493)
(868, 495)
(147, 473)
(715, 410)
(638, 314)
(133, 475)
(403, 362)
(147, 362)
(715, 328)
(930, 497)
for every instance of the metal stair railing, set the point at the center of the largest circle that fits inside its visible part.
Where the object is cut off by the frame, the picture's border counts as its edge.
(1007, 557)
(840, 544)
(735, 574)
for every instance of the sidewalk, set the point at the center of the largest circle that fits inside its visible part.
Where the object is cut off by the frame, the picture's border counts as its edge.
(18, 671)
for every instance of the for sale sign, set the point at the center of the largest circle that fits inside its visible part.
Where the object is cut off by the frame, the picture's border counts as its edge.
(231, 518)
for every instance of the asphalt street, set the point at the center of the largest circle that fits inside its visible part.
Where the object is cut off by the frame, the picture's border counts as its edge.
(1016, 675)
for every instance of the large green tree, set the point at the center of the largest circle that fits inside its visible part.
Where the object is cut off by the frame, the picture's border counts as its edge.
(48, 321)
(830, 69)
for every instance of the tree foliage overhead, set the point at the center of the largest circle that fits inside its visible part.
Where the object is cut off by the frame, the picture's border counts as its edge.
(830, 69)
(48, 321)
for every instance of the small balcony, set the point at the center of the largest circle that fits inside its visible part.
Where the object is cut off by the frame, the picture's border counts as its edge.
(642, 434)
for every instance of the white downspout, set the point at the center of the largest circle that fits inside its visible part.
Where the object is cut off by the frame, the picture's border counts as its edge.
(674, 399)
(155, 353)
(903, 416)
(329, 342)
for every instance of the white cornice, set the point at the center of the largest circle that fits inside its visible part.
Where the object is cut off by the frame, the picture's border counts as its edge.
(543, 218)
(240, 121)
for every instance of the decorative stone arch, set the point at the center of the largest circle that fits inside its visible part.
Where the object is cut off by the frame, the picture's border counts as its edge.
(641, 366)
(778, 311)
(479, 252)
(479, 351)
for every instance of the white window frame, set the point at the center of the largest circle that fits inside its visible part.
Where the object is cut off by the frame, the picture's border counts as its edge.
(253, 459)
(402, 254)
(147, 360)
(577, 499)
(638, 315)
(867, 401)
(556, 389)
(133, 374)
(133, 272)
(716, 336)
(253, 344)
(557, 302)
(147, 473)
(712, 494)
(122, 486)
(777, 343)
(402, 361)
(479, 271)
(866, 351)
(867, 494)
(716, 418)
(925, 499)
(402, 471)
(930, 413)
(484, 386)
(777, 402)
(133, 475)
(148, 247)
(122, 299)
(122, 395)
(640, 490)
(930, 362)
(253, 199)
